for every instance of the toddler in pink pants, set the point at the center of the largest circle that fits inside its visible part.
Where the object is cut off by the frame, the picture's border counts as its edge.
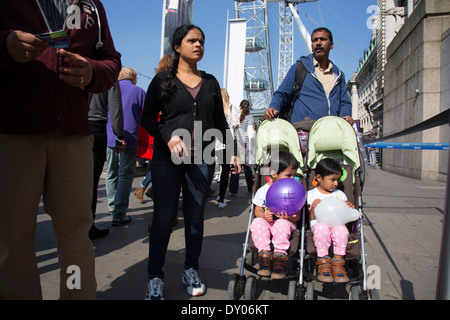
(328, 174)
(268, 228)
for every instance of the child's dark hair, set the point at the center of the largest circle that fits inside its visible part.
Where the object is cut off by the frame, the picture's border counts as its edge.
(328, 166)
(286, 160)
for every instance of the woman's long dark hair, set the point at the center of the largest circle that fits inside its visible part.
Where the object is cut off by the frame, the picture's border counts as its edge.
(169, 86)
(245, 111)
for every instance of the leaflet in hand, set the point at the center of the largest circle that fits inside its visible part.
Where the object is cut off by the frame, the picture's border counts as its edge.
(58, 39)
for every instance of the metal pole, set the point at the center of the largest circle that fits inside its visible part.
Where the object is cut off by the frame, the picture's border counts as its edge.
(302, 247)
(443, 282)
(244, 254)
(225, 64)
(306, 37)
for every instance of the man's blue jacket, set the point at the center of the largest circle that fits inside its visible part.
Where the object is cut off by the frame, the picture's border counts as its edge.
(312, 101)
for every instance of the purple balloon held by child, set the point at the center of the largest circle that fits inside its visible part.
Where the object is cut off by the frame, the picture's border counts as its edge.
(286, 196)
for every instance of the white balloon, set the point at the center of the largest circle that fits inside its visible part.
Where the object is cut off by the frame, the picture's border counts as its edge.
(335, 212)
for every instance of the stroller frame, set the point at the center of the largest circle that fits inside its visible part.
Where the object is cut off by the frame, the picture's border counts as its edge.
(240, 285)
(321, 144)
(301, 286)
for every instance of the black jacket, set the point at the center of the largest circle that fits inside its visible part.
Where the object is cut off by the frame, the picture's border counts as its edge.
(161, 118)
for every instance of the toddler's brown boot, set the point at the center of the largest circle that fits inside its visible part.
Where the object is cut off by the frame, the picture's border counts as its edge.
(339, 273)
(279, 266)
(324, 269)
(265, 263)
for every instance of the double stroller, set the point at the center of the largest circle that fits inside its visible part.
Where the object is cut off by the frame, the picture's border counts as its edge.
(329, 137)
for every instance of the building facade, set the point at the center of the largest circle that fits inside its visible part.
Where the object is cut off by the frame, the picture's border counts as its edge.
(403, 80)
(415, 89)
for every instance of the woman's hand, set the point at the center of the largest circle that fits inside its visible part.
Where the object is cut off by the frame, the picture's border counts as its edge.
(177, 147)
(235, 165)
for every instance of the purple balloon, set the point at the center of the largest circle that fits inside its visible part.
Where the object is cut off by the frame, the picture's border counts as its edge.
(286, 196)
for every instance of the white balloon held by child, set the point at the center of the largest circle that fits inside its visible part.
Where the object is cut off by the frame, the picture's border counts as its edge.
(335, 212)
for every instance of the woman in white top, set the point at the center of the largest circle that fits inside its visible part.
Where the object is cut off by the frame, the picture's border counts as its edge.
(244, 136)
(232, 116)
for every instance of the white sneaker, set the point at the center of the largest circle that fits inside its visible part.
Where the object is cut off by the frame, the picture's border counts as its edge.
(218, 198)
(154, 289)
(222, 205)
(195, 286)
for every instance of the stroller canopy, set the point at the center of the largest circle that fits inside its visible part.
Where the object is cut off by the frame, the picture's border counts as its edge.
(277, 135)
(333, 137)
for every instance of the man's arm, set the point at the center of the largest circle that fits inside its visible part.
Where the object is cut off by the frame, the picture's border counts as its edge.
(283, 95)
(115, 110)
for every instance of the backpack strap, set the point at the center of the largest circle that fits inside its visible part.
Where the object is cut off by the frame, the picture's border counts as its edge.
(300, 75)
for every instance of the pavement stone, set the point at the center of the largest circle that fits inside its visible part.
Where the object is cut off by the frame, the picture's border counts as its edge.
(402, 239)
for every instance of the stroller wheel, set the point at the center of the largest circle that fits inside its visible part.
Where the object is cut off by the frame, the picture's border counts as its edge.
(236, 286)
(309, 295)
(250, 288)
(373, 294)
(295, 291)
(354, 293)
(292, 290)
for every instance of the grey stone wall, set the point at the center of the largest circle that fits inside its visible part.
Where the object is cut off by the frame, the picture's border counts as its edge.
(412, 90)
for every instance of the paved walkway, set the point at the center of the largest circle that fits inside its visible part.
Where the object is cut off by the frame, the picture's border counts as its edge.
(402, 239)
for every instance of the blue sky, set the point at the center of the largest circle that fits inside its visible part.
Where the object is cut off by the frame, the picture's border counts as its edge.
(136, 28)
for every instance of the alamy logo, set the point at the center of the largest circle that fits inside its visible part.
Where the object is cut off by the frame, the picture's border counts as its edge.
(373, 277)
(374, 10)
(73, 17)
(73, 20)
(197, 152)
(73, 282)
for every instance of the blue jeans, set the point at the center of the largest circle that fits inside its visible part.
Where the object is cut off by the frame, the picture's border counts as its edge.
(147, 180)
(168, 179)
(234, 180)
(119, 179)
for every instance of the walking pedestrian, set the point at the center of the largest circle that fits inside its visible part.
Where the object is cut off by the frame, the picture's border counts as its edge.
(232, 115)
(187, 99)
(245, 133)
(121, 157)
(100, 105)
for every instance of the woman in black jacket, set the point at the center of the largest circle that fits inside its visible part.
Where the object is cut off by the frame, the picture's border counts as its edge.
(189, 104)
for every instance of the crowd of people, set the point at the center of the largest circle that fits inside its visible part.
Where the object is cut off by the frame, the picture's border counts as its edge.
(86, 109)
